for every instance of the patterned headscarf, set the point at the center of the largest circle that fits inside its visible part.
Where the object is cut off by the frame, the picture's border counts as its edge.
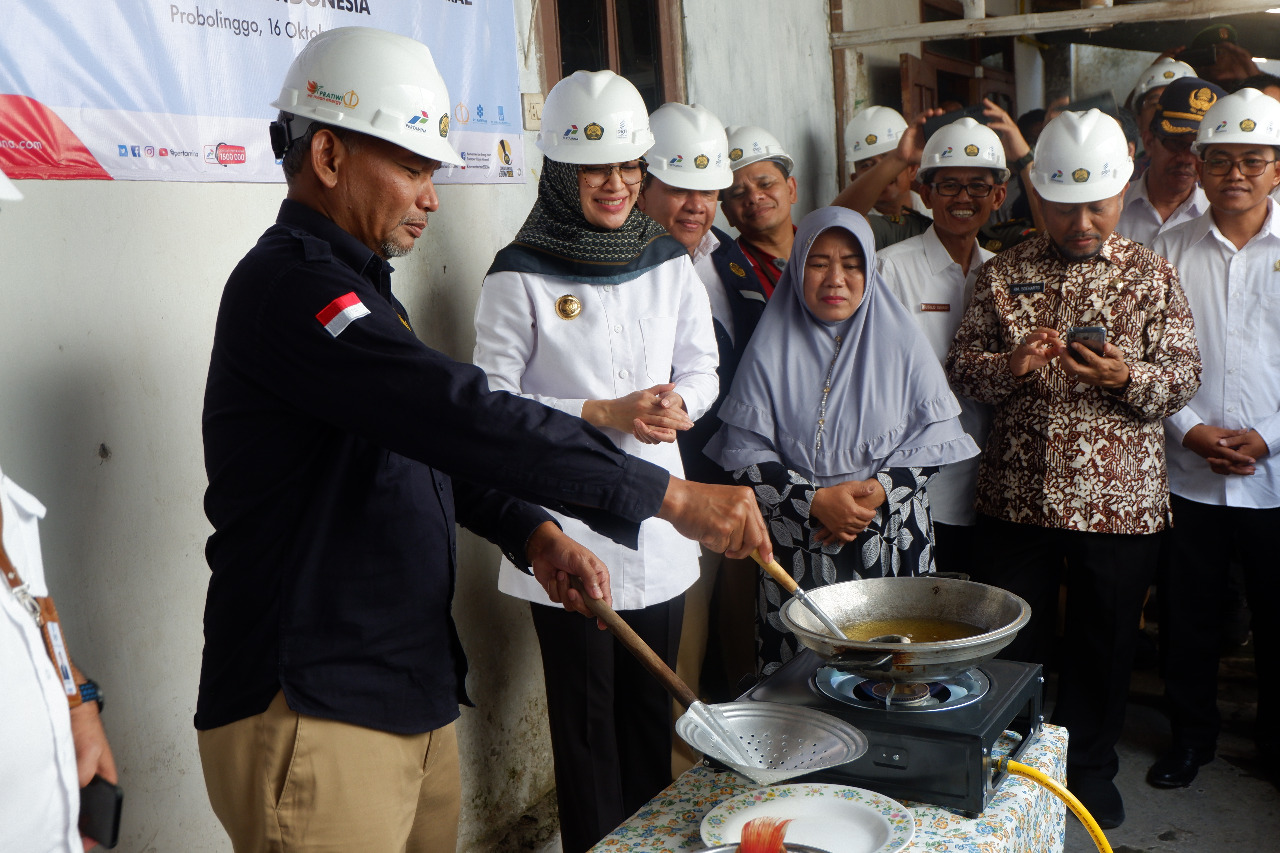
(556, 238)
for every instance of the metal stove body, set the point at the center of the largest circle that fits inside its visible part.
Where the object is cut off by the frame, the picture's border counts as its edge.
(938, 752)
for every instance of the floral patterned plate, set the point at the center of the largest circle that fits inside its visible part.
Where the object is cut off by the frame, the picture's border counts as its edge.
(831, 817)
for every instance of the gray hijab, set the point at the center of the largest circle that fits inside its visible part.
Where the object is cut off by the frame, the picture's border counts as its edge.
(889, 404)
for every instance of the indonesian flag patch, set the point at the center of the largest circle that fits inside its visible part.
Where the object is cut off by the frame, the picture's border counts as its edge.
(341, 312)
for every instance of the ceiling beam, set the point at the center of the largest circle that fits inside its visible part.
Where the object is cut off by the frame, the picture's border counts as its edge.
(1042, 22)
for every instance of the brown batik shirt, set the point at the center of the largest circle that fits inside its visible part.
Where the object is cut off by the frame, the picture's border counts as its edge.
(1063, 454)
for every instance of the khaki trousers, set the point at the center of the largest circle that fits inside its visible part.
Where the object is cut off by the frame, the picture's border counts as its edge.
(282, 782)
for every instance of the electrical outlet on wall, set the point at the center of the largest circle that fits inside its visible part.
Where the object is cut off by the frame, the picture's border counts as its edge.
(531, 102)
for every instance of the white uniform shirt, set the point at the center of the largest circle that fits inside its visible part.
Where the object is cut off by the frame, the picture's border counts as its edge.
(706, 270)
(653, 329)
(39, 790)
(1235, 301)
(936, 291)
(1140, 221)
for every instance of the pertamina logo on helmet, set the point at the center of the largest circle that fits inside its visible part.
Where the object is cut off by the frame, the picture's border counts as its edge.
(348, 99)
(418, 122)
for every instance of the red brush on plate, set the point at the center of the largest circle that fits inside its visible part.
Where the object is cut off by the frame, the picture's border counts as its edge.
(763, 835)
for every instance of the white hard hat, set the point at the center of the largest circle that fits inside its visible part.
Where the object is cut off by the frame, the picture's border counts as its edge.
(873, 131)
(1245, 116)
(750, 144)
(8, 192)
(690, 150)
(594, 117)
(964, 142)
(1081, 157)
(374, 82)
(1162, 72)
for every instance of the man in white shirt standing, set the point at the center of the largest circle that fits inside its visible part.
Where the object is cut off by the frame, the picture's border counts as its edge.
(688, 167)
(962, 177)
(1225, 483)
(1167, 195)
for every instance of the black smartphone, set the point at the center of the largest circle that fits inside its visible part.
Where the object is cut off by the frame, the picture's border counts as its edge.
(100, 803)
(975, 113)
(1094, 337)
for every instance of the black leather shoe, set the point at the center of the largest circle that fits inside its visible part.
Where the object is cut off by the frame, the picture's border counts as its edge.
(1100, 797)
(1177, 768)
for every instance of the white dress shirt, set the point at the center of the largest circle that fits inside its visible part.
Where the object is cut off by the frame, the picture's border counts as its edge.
(1140, 221)
(706, 270)
(653, 329)
(936, 291)
(1235, 301)
(39, 790)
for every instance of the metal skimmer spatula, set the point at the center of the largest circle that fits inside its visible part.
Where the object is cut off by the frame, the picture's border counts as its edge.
(766, 742)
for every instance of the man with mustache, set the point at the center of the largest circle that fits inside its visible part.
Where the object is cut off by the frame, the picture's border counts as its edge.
(1073, 474)
(340, 450)
(1168, 194)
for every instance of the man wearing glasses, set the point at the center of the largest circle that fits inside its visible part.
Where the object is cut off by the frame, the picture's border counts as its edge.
(962, 178)
(1226, 487)
(1167, 195)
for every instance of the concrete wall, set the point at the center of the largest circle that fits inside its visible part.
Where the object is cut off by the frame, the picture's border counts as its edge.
(749, 62)
(111, 290)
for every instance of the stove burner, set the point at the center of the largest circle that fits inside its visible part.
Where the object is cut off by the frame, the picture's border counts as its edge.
(890, 693)
(860, 692)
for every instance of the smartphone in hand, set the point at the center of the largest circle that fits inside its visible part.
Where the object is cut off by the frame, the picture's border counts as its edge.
(1094, 337)
(100, 803)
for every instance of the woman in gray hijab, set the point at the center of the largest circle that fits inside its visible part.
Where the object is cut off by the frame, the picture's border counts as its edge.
(838, 416)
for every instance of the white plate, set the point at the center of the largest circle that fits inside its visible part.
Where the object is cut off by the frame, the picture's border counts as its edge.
(831, 817)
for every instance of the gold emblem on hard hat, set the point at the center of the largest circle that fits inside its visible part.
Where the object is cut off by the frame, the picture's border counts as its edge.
(1202, 99)
(741, 273)
(593, 131)
(1080, 175)
(1248, 125)
(1277, 266)
(1168, 75)
(444, 125)
(568, 307)
(971, 150)
(735, 155)
(701, 161)
(871, 139)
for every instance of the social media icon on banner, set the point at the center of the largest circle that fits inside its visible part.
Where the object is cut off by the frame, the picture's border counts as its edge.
(150, 151)
(124, 150)
(500, 117)
(135, 150)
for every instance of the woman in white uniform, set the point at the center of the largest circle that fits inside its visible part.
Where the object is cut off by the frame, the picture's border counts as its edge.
(595, 310)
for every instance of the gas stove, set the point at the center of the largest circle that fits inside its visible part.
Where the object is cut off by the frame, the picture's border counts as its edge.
(929, 743)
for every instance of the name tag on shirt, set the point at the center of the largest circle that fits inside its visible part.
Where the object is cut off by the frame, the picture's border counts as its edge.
(1028, 287)
(935, 306)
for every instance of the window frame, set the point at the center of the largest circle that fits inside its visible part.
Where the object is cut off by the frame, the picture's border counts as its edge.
(670, 32)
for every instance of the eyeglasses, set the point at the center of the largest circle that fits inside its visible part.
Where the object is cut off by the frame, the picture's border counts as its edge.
(597, 176)
(1250, 167)
(977, 189)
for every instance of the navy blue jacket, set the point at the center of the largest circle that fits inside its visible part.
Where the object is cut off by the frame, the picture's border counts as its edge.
(337, 466)
(746, 301)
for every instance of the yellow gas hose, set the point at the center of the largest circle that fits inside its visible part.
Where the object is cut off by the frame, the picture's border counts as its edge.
(1095, 831)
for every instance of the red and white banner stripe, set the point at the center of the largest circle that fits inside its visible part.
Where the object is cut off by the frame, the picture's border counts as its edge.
(342, 312)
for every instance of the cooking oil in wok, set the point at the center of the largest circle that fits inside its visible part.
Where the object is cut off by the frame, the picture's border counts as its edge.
(924, 629)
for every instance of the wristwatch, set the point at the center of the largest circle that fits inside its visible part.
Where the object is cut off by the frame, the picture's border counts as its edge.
(1022, 162)
(91, 692)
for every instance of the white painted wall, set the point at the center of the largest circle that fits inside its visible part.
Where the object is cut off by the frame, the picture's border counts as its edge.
(767, 63)
(111, 290)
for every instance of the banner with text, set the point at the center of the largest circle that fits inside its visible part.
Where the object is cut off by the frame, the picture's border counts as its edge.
(179, 90)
